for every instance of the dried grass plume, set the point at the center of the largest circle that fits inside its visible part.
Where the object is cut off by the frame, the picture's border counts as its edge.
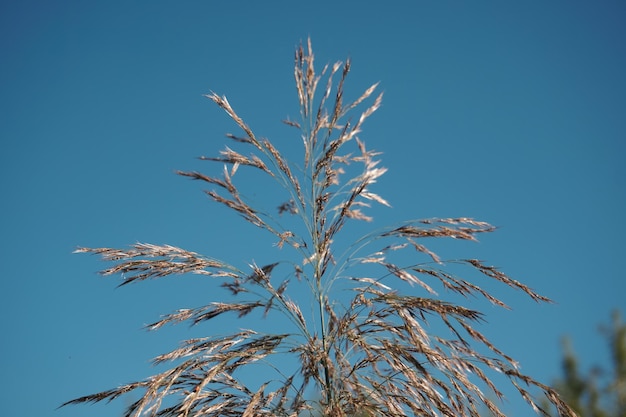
(374, 337)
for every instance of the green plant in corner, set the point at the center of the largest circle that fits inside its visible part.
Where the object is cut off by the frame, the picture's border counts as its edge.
(600, 392)
(366, 353)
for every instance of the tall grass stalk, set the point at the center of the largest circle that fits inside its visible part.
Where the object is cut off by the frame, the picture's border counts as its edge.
(370, 353)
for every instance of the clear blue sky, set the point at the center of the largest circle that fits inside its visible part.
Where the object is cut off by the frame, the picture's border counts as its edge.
(509, 112)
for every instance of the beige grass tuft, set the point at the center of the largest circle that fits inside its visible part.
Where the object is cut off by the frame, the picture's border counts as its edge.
(393, 346)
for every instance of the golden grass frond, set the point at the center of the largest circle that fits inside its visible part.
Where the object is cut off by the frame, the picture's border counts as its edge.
(224, 104)
(172, 260)
(366, 349)
(204, 313)
(232, 157)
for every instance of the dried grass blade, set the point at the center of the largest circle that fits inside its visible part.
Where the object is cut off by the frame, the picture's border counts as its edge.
(224, 104)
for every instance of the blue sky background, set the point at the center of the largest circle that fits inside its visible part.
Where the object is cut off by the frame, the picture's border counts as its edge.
(509, 112)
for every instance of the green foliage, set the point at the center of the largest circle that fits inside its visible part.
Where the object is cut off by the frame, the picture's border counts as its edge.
(599, 392)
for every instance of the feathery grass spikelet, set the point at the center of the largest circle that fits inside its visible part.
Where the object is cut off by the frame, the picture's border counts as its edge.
(380, 350)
